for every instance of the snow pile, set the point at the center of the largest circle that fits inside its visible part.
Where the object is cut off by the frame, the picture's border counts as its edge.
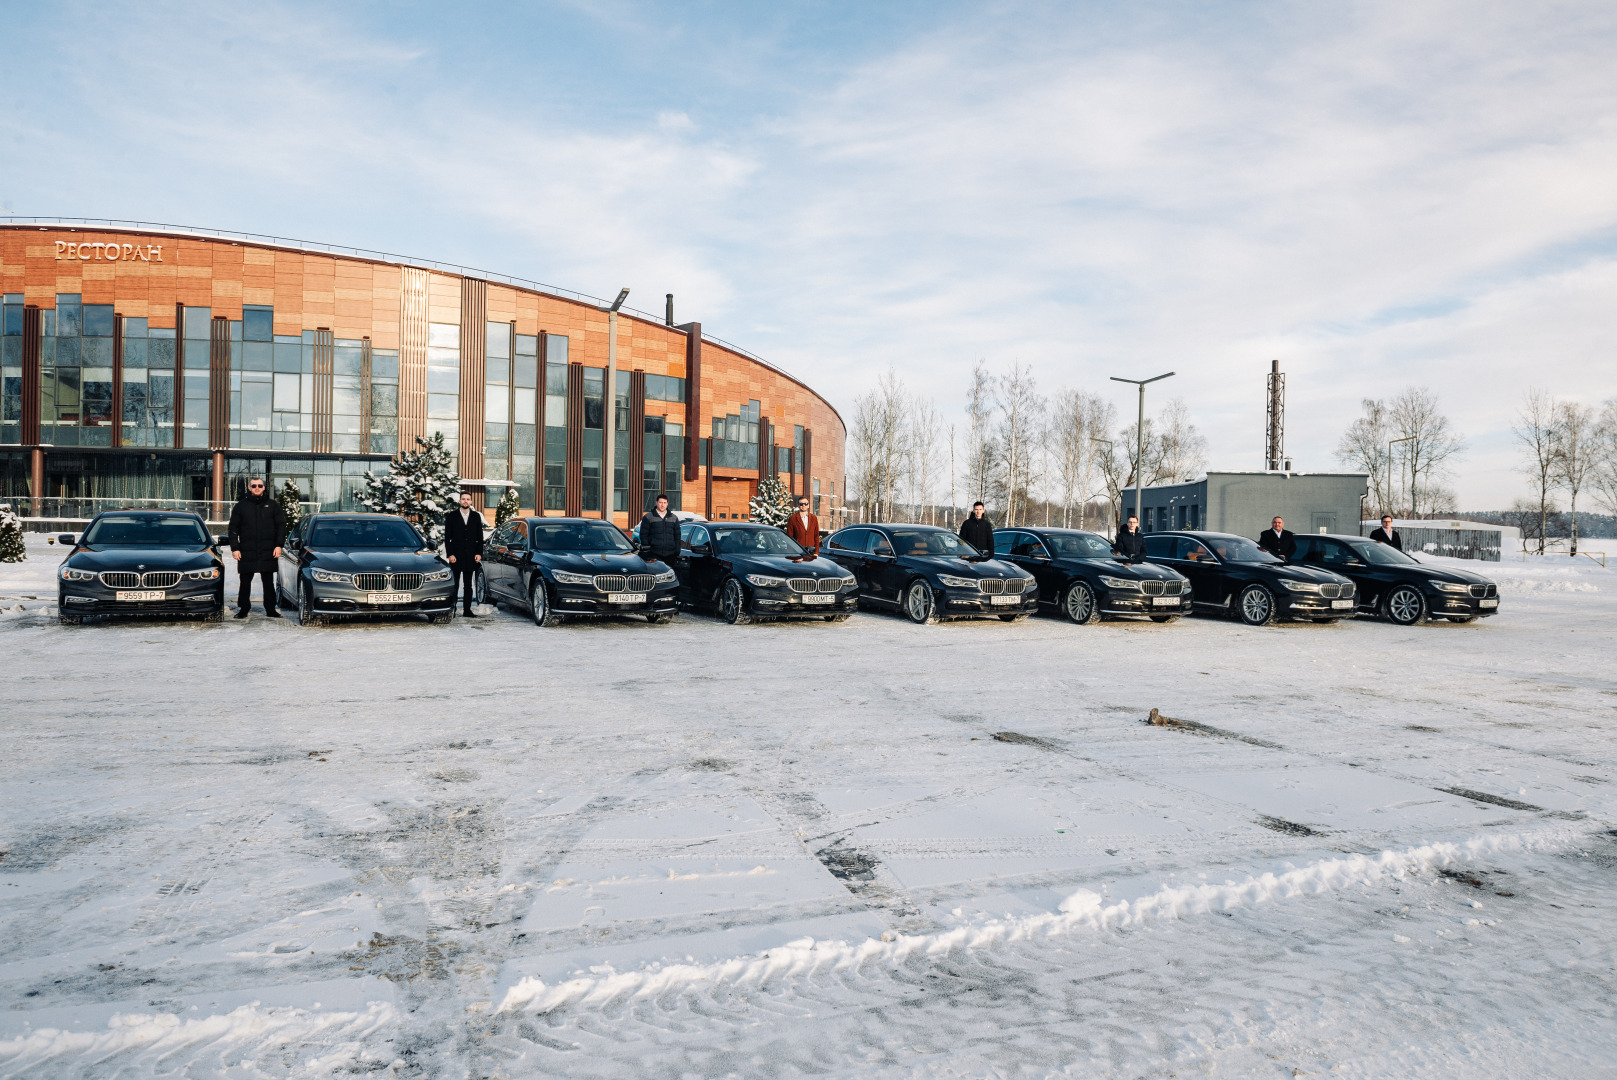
(1083, 910)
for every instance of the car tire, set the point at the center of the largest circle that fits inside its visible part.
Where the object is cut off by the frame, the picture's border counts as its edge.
(1256, 606)
(921, 603)
(306, 615)
(1163, 618)
(837, 618)
(733, 603)
(539, 604)
(1078, 604)
(1462, 618)
(214, 616)
(1020, 617)
(1404, 606)
(479, 589)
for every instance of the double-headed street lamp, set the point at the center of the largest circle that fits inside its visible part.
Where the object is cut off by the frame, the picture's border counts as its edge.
(609, 436)
(1139, 448)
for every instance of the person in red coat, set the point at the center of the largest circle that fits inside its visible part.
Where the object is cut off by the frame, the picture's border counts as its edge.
(804, 527)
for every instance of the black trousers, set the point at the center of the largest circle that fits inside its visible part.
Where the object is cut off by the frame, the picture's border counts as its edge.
(244, 596)
(467, 572)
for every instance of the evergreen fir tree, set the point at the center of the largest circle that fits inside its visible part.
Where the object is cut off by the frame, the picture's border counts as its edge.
(508, 507)
(422, 487)
(772, 505)
(291, 500)
(11, 542)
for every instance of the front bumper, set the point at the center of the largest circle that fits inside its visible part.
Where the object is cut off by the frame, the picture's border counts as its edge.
(1121, 602)
(185, 598)
(1307, 606)
(336, 598)
(588, 600)
(966, 602)
(1461, 605)
(785, 604)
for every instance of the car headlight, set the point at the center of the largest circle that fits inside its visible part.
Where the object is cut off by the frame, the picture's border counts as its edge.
(1123, 584)
(210, 573)
(71, 573)
(958, 582)
(439, 575)
(332, 575)
(1451, 586)
(665, 577)
(567, 577)
(849, 582)
(764, 581)
(1301, 586)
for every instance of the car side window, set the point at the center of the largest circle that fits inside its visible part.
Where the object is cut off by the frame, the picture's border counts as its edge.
(1194, 551)
(851, 539)
(1027, 546)
(1004, 541)
(1308, 550)
(698, 536)
(501, 536)
(684, 535)
(1334, 552)
(879, 544)
(519, 534)
(1162, 547)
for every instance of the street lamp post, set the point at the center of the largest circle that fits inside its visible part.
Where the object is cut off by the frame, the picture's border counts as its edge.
(1139, 449)
(1388, 509)
(609, 436)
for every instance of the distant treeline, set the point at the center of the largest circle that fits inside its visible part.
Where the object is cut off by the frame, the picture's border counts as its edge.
(1560, 522)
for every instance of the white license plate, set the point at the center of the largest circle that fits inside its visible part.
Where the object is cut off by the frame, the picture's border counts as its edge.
(388, 598)
(1165, 601)
(1005, 599)
(818, 598)
(1340, 604)
(147, 594)
(626, 598)
(1484, 603)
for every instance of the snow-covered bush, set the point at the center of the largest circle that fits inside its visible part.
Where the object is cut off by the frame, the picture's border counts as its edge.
(422, 487)
(291, 500)
(11, 542)
(507, 508)
(772, 505)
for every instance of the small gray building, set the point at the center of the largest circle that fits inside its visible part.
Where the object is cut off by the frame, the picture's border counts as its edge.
(1245, 502)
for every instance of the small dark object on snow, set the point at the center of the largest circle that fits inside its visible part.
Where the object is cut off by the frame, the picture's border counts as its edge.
(1484, 797)
(846, 863)
(1290, 828)
(1162, 721)
(1464, 878)
(1024, 740)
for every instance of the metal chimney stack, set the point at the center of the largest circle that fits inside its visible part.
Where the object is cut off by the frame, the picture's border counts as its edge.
(669, 317)
(1275, 453)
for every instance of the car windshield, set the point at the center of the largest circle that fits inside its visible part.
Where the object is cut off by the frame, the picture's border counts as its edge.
(1077, 546)
(578, 536)
(755, 542)
(1239, 549)
(146, 530)
(1381, 554)
(931, 542)
(348, 535)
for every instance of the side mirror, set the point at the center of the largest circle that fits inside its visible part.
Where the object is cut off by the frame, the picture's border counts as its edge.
(221, 541)
(65, 539)
(701, 549)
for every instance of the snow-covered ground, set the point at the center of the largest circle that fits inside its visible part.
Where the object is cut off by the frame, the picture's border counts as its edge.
(871, 849)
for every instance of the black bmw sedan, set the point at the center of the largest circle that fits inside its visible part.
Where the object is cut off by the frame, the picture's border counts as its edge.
(141, 562)
(561, 567)
(929, 573)
(744, 571)
(1231, 575)
(363, 564)
(1080, 578)
(1398, 587)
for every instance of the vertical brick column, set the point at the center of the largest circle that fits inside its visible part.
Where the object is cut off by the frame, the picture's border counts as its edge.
(179, 375)
(636, 496)
(322, 390)
(33, 338)
(473, 366)
(693, 399)
(219, 383)
(575, 439)
(412, 357)
(116, 438)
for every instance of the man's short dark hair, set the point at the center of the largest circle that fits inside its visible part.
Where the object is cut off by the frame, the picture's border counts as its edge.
(977, 504)
(1134, 517)
(661, 497)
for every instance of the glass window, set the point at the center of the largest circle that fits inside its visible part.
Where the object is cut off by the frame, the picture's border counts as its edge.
(594, 397)
(379, 532)
(346, 360)
(443, 336)
(1240, 549)
(850, 539)
(1192, 550)
(766, 541)
(146, 530)
(384, 365)
(98, 320)
(1162, 547)
(1076, 545)
(496, 402)
(498, 344)
(287, 393)
(198, 323)
(257, 323)
(555, 349)
(578, 536)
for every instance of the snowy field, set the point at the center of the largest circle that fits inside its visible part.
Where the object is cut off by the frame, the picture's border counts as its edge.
(872, 850)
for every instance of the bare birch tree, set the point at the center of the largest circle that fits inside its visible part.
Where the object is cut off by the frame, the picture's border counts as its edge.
(1605, 457)
(1430, 443)
(979, 415)
(1364, 445)
(925, 440)
(1181, 448)
(1535, 431)
(1577, 449)
(1017, 399)
(877, 445)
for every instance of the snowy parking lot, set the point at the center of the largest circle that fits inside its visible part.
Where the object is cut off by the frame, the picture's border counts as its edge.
(872, 849)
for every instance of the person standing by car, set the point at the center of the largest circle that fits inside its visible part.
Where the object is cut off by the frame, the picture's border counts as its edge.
(1130, 542)
(659, 532)
(463, 544)
(804, 527)
(1387, 534)
(257, 531)
(1277, 541)
(977, 530)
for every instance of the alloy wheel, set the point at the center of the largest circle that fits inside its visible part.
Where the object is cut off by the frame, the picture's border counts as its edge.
(733, 603)
(919, 604)
(479, 589)
(1257, 606)
(306, 615)
(1080, 604)
(1406, 606)
(539, 602)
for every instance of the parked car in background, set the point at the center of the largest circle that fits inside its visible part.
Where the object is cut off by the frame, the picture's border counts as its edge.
(930, 574)
(1081, 578)
(1397, 587)
(1231, 575)
(354, 565)
(141, 562)
(744, 571)
(557, 568)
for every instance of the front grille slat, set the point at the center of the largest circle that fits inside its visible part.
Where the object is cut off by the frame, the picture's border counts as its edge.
(371, 582)
(406, 582)
(1172, 588)
(160, 579)
(120, 579)
(1329, 592)
(803, 584)
(991, 586)
(830, 584)
(1151, 588)
(610, 583)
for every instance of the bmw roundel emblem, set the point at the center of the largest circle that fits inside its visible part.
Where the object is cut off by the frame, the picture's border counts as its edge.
(142, 566)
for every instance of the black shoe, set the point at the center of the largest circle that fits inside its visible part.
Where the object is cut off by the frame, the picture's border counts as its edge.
(468, 614)
(241, 613)
(272, 614)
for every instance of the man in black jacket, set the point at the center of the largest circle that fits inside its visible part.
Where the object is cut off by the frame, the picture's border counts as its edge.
(977, 530)
(257, 531)
(463, 544)
(1130, 542)
(659, 533)
(1277, 541)
(1387, 534)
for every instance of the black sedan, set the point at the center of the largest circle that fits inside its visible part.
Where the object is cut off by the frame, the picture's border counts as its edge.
(1081, 578)
(929, 573)
(141, 562)
(745, 571)
(560, 567)
(1231, 575)
(1397, 587)
(363, 564)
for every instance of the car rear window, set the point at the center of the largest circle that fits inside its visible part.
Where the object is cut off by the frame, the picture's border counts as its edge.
(146, 530)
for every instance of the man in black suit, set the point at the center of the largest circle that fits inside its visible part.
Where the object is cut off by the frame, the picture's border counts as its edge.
(463, 543)
(1130, 542)
(1277, 541)
(1387, 534)
(977, 530)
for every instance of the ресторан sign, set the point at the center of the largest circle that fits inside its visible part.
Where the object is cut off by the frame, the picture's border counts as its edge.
(108, 252)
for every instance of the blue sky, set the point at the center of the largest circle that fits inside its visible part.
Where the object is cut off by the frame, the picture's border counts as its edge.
(1375, 194)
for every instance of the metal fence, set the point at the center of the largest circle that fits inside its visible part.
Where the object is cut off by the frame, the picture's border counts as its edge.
(1480, 544)
(83, 509)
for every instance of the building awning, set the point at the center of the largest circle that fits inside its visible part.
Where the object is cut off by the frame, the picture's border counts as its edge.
(468, 482)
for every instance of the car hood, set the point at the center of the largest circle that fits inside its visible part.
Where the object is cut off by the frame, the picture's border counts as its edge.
(626, 563)
(1448, 573)
(786, 566)
(152, 558)
(1138, 571)
(1299, 572)
(959, 567)
(374, 560)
